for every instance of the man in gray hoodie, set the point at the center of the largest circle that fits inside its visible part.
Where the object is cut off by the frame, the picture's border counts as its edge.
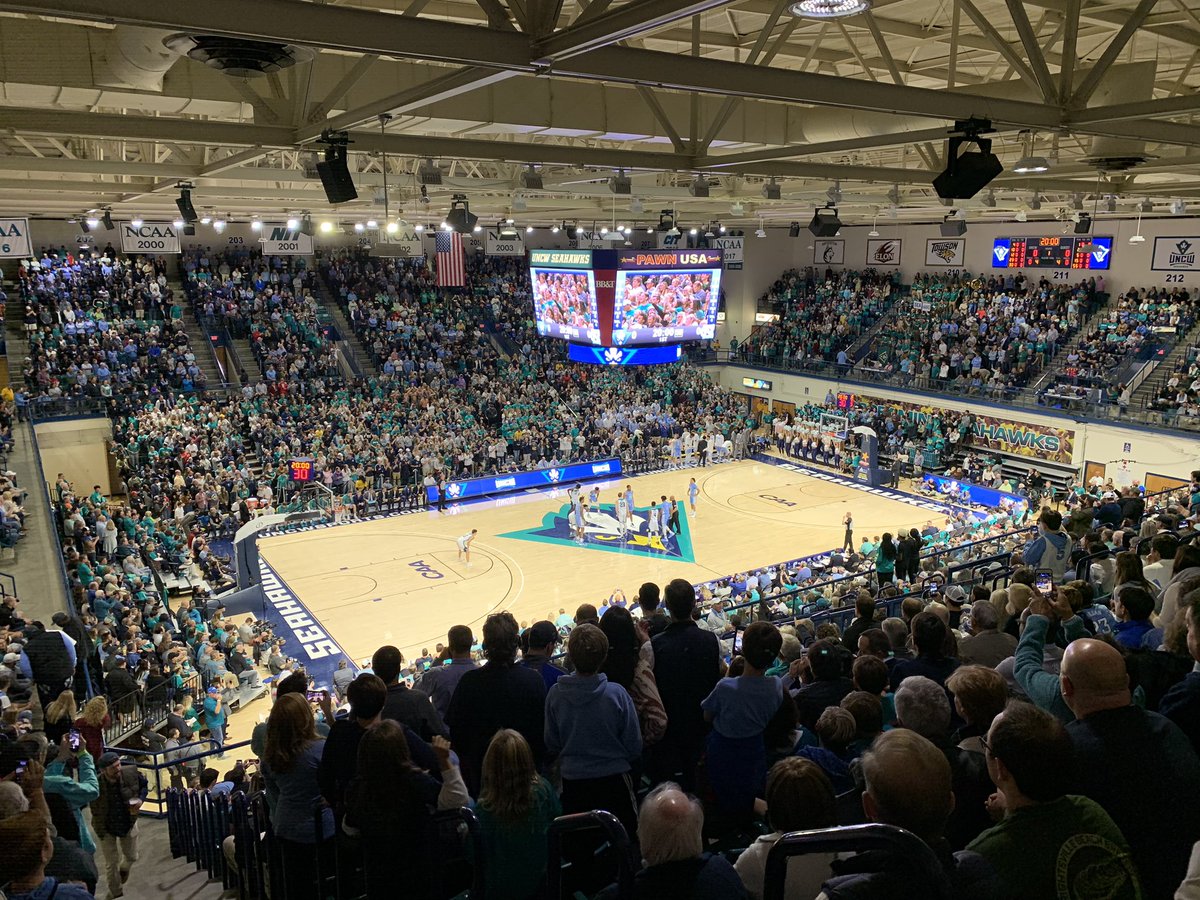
(592, 727)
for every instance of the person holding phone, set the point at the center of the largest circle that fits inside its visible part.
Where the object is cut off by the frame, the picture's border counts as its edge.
(72, 775)
(215, 717)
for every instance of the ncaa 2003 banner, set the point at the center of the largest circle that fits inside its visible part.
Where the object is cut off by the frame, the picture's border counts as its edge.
(1034, 442)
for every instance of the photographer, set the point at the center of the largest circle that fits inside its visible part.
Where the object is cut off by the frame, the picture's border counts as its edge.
(72, 776)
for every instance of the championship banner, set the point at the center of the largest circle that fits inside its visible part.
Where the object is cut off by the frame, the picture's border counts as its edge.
(1175, 254)
(946, 252)
(149, 237)
(401, 245)
(829, 253)
(509, 245)
(279, 240)
(1034, 442)
(883, 252)
(670, 241)
(590, 240)
(14, 238)
(734, 250)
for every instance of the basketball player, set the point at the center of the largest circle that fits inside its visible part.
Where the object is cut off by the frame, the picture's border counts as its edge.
(629, 502)
(693, 490)
(622, 513)
(676, 451)
(664, 515)
(594, 496)
(652, 522)
(573, 493)
(464, 545)
(578, 513)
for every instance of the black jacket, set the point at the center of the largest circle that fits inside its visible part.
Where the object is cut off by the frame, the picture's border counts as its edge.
(49, 658)
(414, 709)
(687, 666)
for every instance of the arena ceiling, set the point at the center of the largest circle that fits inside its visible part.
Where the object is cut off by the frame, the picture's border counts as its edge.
(100, 108)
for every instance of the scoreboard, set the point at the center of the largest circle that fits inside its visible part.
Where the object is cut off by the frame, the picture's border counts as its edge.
(1053, 252)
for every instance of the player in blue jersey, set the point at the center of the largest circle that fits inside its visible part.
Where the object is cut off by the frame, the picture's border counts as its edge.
(664, 515)
(629, 505)
(594, 496)
(693, 490)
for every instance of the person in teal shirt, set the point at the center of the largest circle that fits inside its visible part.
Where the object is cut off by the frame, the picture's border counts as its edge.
(72, 776)
(215, 716)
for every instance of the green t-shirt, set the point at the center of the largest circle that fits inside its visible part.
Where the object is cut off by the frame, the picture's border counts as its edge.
(1060, 850)
(516, 855)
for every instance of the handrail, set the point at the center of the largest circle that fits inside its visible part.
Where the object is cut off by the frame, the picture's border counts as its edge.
(158, 795)
(145, 707)
(614, 833)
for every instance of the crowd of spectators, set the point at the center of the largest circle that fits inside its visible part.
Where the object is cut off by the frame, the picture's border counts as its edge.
(820, 316)
(1178, 400)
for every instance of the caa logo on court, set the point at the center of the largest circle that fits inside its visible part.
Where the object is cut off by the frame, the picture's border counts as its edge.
(778, 500)
(554, 474)
(425, 570)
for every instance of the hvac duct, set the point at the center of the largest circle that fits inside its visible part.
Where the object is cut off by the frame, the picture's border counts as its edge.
(134, 57)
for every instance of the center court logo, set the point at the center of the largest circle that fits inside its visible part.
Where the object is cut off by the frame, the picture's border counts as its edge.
(604, 532)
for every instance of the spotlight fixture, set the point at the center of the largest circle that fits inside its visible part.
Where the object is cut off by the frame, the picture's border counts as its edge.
(708, 232)
(693, 231)
(219, 226)
(89, 223)
(519, 204)
(334, 169)
(699, 186)
(478, 228)
(136, 223)
(531, 179)
(107, 219)
(649, 229)
(460, 218)
(293, 224)
(825, 221)
(187, 212)
(418, 228)
(579, 229)
(1084, 224)
(306, 225)
(1146, 206)
(636, 206)
(392, 227)
(372, 224)
(507, 229)
(969, 171)
(206, 220)
(952, 226)
(326, 227)
(359, 227)
(621, 183)
(179, 223)
(554, 229)
(1178, 207)
(771, 190)
(428, 173)
(256, 225)
(794, 230)
(1030, 164)
(529, 229)
(828, 9)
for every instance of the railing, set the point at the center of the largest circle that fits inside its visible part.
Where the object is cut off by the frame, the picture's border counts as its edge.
(43, 408)
(155, 763)
(1105, 412)
(130, 712)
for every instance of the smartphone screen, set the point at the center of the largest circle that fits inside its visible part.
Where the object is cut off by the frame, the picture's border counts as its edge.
(315, 696)
(737, 641)
(74, 739)
(1044, 582)
(931, 589)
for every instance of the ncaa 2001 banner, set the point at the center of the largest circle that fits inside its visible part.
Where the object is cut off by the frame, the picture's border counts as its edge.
(1034, 442)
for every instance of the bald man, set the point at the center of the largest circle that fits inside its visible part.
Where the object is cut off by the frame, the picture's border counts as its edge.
(1136, 764)
(670, 831)
(908, 784)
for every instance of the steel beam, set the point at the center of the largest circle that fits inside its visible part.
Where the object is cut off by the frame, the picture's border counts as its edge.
(1033, 50)
(629, 21)
(1092, 80)
(727, 160)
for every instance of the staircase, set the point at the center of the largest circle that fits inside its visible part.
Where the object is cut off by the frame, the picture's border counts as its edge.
(1162, 372)
(245, 355)
(351, 345)
(1058, 363)
(201, 346)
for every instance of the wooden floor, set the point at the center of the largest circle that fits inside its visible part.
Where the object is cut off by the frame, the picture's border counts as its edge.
(399, 581)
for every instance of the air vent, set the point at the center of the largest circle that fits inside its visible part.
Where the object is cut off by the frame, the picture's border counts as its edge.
(237, 57)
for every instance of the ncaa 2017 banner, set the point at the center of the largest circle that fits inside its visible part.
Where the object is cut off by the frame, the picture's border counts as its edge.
(495, 245)
(733, 251)
(467, 488)
(946, 252)
(279, 240)
(1037, 443)
(149, 237)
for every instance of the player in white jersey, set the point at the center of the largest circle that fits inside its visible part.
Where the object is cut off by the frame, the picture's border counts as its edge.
(693, 490)
(622, 512)
(573, 493)
(464, 545)
(652, 521)
(578, 514)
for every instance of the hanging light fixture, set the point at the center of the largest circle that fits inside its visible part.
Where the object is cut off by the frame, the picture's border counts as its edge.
(1029, 164)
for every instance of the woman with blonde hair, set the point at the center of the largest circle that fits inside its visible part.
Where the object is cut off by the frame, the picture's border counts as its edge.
(59, 717)
(516, 806)
(91, 724)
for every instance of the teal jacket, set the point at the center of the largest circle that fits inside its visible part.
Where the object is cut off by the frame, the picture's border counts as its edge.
(1040, 686)
(77, 792)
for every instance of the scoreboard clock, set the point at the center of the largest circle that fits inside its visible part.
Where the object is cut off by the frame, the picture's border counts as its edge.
(302, 469)
(1052, 252)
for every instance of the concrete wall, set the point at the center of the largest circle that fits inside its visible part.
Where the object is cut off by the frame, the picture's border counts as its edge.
(78, 449)
(1147, 451)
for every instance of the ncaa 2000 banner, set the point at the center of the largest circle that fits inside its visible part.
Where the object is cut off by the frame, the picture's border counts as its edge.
(1034, 442)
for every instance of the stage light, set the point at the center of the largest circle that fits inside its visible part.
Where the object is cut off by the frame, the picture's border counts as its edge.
(531, 179)
(554, 229)
(89, 223)
(206, 220)
(579, 229)
(372, 224)
(256, 225)
(136, 223)
(828, 9)
(477, 229)
(219, 226)
(529, 229)
(179, 223)
(693, 231)
(393, 227)
(968, 172)
(293, 224)
(771, 190)
(359, 227)
(825, 221)
(418, 228)
(460, 217)
(326, 227)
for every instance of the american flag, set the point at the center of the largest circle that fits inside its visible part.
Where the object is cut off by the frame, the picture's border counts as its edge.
(451, 262)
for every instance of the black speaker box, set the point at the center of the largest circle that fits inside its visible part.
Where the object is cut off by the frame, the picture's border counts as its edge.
(967, 175)
(952, 228)
(824, 224)
(335, 178)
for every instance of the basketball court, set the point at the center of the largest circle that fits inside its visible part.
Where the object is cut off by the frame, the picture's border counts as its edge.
(398, 580)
